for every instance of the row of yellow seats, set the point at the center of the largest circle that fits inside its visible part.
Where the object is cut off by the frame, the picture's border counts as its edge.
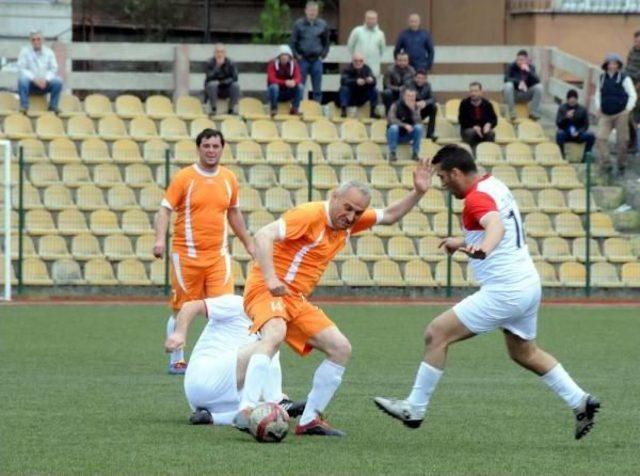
(536, 176)
(519, 153)
(603, 274)
(101, 222)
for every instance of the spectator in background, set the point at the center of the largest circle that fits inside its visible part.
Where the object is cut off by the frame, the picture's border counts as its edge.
(398, 76)
(425, 101)
(417, 43)
(221, 80)
(283, 81)
(522, 84)
(357, 86)
(573, 124)
(369, 40)
(477, 117)
(404, 124)
(310, 45)
(38, 72)
(633, 71)
(615, 98)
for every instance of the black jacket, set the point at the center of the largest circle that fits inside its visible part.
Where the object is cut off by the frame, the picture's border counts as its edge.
(350, 75)
(310, 41)
(226, 73)
(515, 75)
(580, 119)
(467, 117)
(400, 113)
(397, 78)
(424, 92)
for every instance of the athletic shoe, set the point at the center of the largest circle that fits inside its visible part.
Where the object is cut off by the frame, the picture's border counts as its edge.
(201, 417)
(178, 368)
(400, 410)
(318, 427)
(294, 409)
(585, 415)
(241, 420)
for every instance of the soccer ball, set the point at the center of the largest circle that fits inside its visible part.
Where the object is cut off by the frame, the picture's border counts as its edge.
(269, 423)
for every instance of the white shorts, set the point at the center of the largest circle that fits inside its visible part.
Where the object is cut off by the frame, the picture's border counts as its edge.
(210, 382)
(513, 310)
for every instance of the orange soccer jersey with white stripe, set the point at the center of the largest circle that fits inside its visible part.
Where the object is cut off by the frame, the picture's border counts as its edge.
(308, 243)
(201, 201)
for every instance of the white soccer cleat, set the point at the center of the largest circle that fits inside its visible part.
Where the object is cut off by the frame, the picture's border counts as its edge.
(401, 410)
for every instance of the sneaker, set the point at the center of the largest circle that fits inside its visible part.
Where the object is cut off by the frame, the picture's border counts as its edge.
(415, 157)
(53, 110)
(273, 113)
(343, 112)
(534, 117)
(201, 417)
(178, 368)
(585, 415)
(241, 420)
(393, 157)
(294, 112)
(374, 115)
(23, 110)
(433, 138)
(318, 427)
(213, 113)
(294, 409)
(401, 410)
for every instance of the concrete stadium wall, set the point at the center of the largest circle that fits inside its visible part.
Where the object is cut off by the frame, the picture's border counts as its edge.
(18, 17)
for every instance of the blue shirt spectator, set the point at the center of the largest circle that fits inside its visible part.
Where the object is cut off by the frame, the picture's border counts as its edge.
(417, 43)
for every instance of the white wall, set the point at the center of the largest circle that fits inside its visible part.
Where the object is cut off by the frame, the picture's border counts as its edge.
(18, 17)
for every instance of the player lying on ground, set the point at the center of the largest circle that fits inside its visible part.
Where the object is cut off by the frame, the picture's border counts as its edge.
(508, 299)
(292, 253)
(215, 376)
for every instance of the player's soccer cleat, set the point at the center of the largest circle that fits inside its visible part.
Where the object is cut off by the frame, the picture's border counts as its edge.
(318, 427)
(201, 417)
(294, 409)
(178, 368)
(401, 410)
(241, 420)
(585, 415)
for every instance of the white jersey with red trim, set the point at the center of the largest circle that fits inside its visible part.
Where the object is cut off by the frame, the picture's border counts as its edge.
(509, 263)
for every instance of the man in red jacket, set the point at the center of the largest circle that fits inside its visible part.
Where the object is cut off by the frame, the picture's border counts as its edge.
(283, 81)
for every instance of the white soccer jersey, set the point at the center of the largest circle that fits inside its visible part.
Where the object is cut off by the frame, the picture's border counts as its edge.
(509, 263)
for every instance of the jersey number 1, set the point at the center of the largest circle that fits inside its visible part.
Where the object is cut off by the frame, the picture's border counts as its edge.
(519, 228)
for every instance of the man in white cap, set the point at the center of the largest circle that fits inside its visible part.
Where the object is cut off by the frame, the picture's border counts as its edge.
(283, 81)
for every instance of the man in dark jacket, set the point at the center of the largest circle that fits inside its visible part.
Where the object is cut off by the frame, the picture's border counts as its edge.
(476, 117)
(521, 83)
(398, 76)
(283, 81)
(573, 123)
(310, 45)
(417, 43)
(357, 86)
(405, 124)
(221, 80)
(425, 100)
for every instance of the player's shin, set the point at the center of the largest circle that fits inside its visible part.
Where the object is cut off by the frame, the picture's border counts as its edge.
(326, 381)
(426, 381)
(564, 386)
(256, 375)
(176, 355)
(272, 391)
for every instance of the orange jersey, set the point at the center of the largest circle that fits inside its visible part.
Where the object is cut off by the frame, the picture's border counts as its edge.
(201, 201)
(308, 243)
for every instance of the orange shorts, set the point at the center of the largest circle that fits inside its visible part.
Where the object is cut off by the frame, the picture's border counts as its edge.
(197, 278)
(304, 320)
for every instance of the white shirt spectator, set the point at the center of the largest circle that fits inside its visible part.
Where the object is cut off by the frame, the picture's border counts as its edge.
(37, 64)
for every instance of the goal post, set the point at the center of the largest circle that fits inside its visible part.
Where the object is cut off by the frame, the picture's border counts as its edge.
(5, 151)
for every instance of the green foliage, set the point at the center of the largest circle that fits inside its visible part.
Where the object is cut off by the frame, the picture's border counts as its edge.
(157, 16)
(275, 23)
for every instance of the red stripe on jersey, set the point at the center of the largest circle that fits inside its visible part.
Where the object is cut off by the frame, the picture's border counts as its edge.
(476, 205)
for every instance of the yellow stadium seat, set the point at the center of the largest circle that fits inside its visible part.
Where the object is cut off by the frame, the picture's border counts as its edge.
(37, 105)
(47, 177)
(262, 176)
(49, 126)
(564, 176)
(556, 250)
(538, 225)
(302, 196)
(30, 194)
(369, 153)
(309, 147)
(39, 222)
(311, 110)
(577, 201)
(531, 132)
(377, 200)
(384, 176)
(518, 153)
(324, 177)
(401, 248)
(432, 201)
(264, 130)
(69, 106)
(249, 152)
(106, 175)
(117, 247)
(154, 151)
(238, 273)
(129, 106)
(9, 103)
(104, 222)
(379, 131)
(132, 272)
(258, 219)
(605, 275)
(547, 274)
(158, 107)
(507, 174)
(457, 277)
(551, 200)
(189, 108)
(441, 224)
(416, 224)
(161, 178)
(294, 131)
(387, 230)
(353, 131)
(234, 129)
(418, 273)
(579, 250)
(173, 129)
(94, 151)
(238, 250)
(238, 171)
(66, 271)
(144, 247)
(353, 172)
(90, 197)
(618, 250)
(33, 150)
(111, 127)
(324, 131)
(57, 197)
(200, 124)
(406, 177)
(251, 109)
(355, 273)
(150, 198)
(28, 248)
(602, 226)
(135, 222)
(185, 152)
(53, 247)
(138, 175)
(630, 274)
(504, 132)
(278, 200)
(279, 152)
(548, 153)
(98, 272)
(35, 272)
(451, 108)
(489, 153)
(346, 252)
(17, 126)
(524, 199)
(120, 197)
(80, 127)
(572, 274)
(97, 106)
(63, 151)
(429, 248)
(75, 175)
(41, 174)
(387, 273)
(330, 277)
(446, 132)
(339, 152)
(534, 250)
(370, 247)
(126, 151)
(142, 128)
(293, 177)
(72, 222)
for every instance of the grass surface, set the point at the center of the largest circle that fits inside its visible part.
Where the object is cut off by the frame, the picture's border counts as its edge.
(84, 390)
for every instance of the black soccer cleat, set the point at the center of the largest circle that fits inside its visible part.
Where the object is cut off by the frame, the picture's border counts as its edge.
(585, 415)
(293, 409)
(201, 417)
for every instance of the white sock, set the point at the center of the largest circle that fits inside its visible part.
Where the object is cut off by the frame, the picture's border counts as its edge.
(176, 355)
(563, 385)
(254, 380)
(326, 381)
(426, 381)
(272, 391)
(224, 418)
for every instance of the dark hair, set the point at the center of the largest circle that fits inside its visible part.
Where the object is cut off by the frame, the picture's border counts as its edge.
(636, 34)
(208, 133)
(572, 93)
(401, 53)
(455, 157)
(522, 53)
(421, 71)
(409, 89)
(475, 83)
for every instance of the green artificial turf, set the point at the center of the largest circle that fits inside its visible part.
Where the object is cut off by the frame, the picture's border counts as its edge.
(84, 389)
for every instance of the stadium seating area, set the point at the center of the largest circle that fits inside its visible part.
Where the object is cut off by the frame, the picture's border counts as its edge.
(95, 175)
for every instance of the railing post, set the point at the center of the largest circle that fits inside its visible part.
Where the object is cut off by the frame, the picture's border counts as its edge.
(64, 66)
(181, 70)
(20, 219)
(310, 176)
(587, 225)
(167, 248)
(449, 291)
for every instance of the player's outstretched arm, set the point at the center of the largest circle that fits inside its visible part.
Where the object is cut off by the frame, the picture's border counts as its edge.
(265, 238)
(161, 226)
(188, 312)
(422, 176)
(236, 221)
(493, 234)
